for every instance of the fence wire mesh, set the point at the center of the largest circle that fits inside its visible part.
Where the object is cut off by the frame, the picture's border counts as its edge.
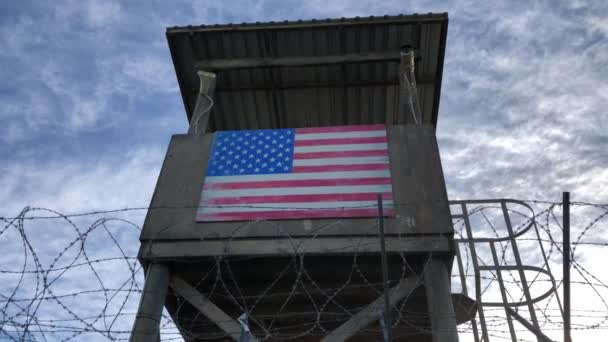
(76, 277)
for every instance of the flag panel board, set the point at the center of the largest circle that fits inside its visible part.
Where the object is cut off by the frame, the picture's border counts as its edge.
(325, 172)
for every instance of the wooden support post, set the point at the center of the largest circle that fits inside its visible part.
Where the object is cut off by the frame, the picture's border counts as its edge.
(207, 308)
(151, 303)
(370, 313)
(439, 301)
(204, 103)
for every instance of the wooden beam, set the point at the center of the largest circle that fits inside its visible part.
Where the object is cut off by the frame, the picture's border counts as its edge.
(372, 312)
(221, 88)
(267, 62)
(159, 250)
(207, 308)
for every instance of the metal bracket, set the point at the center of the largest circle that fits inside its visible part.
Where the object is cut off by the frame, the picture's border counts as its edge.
(408, 93)
(204, 103)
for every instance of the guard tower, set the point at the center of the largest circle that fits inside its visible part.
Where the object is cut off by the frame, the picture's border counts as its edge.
(377, 265)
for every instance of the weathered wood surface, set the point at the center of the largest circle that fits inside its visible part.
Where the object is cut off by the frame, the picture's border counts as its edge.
(207, 308)
(439, 301)
(372, 312)
(418, 186)
(159, 250)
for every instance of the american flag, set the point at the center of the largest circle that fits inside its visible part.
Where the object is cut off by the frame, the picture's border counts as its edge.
(325, 172)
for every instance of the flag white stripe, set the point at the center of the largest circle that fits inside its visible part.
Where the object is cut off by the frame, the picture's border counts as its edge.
(337, 135)
(340, 161)
(209, 194)
(296, 176)
(303, 206)
(346, 147)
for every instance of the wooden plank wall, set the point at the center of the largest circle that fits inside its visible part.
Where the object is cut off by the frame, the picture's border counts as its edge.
(418, 185)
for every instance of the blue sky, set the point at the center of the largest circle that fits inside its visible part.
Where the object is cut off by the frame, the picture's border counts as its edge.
(89, 94)
(89, 97)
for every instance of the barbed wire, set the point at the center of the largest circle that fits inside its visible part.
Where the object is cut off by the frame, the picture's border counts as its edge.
(77, 276)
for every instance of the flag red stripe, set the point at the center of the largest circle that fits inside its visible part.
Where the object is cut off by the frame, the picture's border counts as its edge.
(340, 141)
(340, 154)
(357, 128)
(293, 214)
(334, 168)
(297, 183)
(296, 198)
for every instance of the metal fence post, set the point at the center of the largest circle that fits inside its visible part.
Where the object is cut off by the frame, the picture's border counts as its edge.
(387, 313)
(566, 264)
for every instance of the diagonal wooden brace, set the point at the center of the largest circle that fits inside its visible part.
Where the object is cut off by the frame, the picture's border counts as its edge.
(207, 308)
(370, 313)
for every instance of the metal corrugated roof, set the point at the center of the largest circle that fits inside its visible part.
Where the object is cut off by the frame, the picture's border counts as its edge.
(319, 95)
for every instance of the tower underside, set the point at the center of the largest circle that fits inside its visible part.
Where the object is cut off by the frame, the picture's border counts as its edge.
(308, 297)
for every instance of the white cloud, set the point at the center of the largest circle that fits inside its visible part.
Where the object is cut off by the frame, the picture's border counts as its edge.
(102, 13)
(150, 73)
(69, 185)
(70, 77)
(534, 98)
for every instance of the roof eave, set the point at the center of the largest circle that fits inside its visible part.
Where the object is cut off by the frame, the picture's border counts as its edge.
(279, 25)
